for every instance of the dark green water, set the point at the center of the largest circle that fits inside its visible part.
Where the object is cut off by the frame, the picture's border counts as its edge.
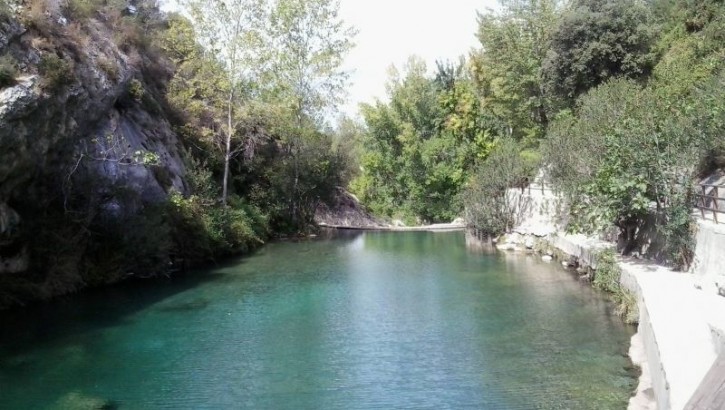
(372, 321)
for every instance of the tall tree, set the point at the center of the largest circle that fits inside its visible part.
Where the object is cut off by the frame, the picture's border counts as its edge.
(309, 42)
(231, 30)
(514, 44)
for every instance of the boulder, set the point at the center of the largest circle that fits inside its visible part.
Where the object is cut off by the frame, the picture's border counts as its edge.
(529, 243)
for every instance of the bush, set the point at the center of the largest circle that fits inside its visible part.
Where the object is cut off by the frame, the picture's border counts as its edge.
(136, 90)
(678, 231)
(83, 9)
(490, 205)
(607, 274)
(204, 231)
(56, 71)
(108, 66)
(629, 157)
(8, 71)
(607, 277)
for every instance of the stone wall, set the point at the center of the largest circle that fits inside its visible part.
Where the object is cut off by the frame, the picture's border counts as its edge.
(709, 264)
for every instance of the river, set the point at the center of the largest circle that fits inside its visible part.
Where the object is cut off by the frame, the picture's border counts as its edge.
(410, 320)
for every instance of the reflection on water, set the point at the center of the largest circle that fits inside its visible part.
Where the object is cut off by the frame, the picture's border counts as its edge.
(370, 320)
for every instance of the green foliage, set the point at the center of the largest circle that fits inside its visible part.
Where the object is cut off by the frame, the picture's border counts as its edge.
(678, 231)
(625, 156)
(311, 43)
(419, 147)
(608, 273)
(629, 154)
(179, 40)
(8, 71)
(491, 207)
(507, 69)
(298, 182)
(57, 72)
(202, 231)
(607, 277)
(594, 41)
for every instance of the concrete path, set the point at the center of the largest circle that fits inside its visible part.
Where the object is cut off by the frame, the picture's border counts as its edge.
(676, 324)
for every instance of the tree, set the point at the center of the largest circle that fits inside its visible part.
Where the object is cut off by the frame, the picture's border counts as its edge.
(231, 31)
(309, 42)
(597, 40)
(507, 69)
(421, 144)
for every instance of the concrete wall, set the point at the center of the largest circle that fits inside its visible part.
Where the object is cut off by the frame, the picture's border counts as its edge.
(709, 264)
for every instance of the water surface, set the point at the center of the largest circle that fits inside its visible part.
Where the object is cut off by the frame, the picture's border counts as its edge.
(368, 321)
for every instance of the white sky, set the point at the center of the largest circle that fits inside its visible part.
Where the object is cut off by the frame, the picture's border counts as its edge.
(392, 30)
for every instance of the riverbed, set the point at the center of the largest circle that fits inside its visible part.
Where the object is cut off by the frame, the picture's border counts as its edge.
(360, 320)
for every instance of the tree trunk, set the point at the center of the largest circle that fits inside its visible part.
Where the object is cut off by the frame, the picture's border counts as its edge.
(295, 194)
(228, 150)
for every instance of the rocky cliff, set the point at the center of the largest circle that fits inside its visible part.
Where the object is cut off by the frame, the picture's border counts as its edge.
(347, 212)
(85, 142)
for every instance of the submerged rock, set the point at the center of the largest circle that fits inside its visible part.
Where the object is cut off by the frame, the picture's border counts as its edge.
(80, 401)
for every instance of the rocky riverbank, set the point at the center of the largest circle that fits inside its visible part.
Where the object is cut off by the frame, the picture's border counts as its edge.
(346, 212)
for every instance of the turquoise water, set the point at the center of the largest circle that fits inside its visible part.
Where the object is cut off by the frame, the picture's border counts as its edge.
(367, 321)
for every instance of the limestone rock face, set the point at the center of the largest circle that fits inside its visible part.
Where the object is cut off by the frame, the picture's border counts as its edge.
(80, 134)
(345, 211)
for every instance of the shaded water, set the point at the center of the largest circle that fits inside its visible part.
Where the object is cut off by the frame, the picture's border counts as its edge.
(368, 321)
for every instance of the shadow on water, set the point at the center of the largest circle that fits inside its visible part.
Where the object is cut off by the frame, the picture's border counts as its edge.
(108, 306)
(112, 305)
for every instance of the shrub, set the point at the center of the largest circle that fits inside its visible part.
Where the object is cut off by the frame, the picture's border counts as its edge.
(83, 9)
(201, 181)
(204, 231)
(108, 66)
(490, 207)
(608, 272)
(8, 71)
(136, 90)
(678, 231)
(606, 278)
(628, 158)
(129, 34)
(36, 15)
(56, 71)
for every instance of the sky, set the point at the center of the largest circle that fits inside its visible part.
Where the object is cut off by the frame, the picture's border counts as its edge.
(392, 30)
